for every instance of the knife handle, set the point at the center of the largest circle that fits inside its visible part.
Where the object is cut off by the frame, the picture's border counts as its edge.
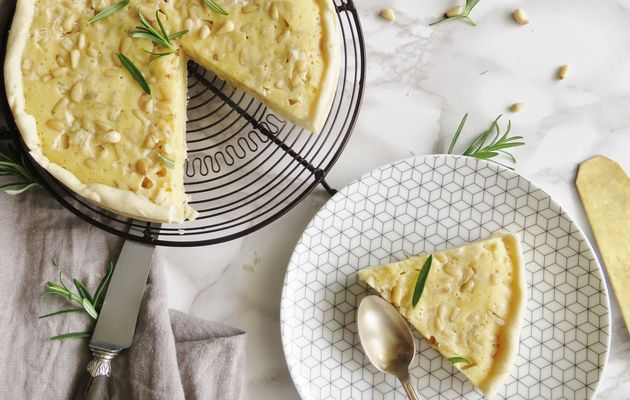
(99, 370)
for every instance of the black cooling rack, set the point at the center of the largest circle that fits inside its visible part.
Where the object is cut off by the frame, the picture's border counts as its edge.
(246, 167)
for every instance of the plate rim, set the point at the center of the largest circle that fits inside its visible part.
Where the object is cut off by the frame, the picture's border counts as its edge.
(486, 163)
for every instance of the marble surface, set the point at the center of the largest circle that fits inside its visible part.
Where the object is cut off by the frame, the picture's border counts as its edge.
(420, 82)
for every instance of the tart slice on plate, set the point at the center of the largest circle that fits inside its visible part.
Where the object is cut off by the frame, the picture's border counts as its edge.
(101, 103)
(471, 307)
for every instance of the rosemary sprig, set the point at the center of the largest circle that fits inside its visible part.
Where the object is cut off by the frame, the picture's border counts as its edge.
(489, 143)
(134, 71)
(147, 31)
(108, 11)
(89, 304)
(465, 15)
(215, 7)
(13, 164)
(458, 360)
(167, 161)
(422, 280)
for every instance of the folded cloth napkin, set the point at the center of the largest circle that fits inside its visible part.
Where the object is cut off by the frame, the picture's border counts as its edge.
(173, 356)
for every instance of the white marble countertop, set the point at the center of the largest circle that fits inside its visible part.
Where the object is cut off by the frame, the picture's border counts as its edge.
(420, 82)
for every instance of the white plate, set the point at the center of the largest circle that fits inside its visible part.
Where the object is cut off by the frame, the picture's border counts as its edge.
(422, 205)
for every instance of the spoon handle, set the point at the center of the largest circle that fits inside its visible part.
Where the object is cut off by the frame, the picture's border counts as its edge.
(411, 391)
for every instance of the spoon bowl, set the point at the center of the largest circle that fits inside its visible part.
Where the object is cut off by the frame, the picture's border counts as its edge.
(387, 340)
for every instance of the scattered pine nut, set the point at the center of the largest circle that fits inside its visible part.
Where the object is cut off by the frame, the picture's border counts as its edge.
(520, 17)
(454, 11)
(516, 107)
(563, 72)
(388, 14)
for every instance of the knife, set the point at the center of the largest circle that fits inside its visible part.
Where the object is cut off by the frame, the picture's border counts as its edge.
(117, 319)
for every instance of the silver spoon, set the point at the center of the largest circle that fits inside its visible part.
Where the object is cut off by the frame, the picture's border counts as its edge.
(387, 340)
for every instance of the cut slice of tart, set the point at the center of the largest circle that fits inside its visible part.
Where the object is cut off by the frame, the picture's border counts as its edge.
(471, 308)
(119, 139)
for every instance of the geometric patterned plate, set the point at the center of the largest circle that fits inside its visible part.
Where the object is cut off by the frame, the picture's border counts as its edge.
(425, 204)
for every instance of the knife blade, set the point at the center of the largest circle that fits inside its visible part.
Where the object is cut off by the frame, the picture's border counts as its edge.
(116, 323)
(604, 189)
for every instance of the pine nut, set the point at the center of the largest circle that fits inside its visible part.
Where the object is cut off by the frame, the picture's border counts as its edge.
(76, 94)
(300, 65)
(64, 142)
(112, 73)
(147, 183)
(454, 11)
(454, 314)
(59, 72)
(563, 71)
(110, 137)
(75, 54)
(396, 295)
(55, 124)
(102, 126)
(204, 32)
(442, 310)
(188, 24)
(149, 106)
(87, 123)
(68, 23)
(81, 41)
(388, 14)
(142, 166)
(46, 78)
(61, 61)
(273, 11)
(125, 44)
(227, 27)
(242, 57)
(520, 17)
(516, 107)
(468, 286)
(494, 279)
(91, 51)
(90, 163)
(60, 106)
(250, 8)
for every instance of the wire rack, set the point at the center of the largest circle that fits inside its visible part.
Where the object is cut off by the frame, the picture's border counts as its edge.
(246, 167)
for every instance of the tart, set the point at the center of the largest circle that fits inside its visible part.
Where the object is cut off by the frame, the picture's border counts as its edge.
(99, 131)
(471, 308)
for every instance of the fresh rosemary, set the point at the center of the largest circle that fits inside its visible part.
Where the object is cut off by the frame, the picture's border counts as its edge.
(13, 164)
(108, 11)
(422, 280)
(134, 71)
(157, 36)
(215, 7)
(91, 304)
(458, 360)
(489, 143)
(465, 15)
(167, 161)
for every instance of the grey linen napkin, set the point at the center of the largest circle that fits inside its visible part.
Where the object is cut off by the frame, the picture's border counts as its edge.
(173, 356)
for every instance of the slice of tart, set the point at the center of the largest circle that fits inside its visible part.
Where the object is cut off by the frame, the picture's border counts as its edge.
(119, 140)
(471, 308)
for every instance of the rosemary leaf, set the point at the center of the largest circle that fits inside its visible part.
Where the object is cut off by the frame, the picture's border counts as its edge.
(162, 29)
(177, 34)
(490, 143)
(89, 308)
(167, 161)
(13, 164)
(18, 188)
(422, 280)
(134, 71)
(83, 292)
(72, 335)
(215, 7)
(457, 133)
(102, 287)
(458, 360)
(108, 11)
(60, 312)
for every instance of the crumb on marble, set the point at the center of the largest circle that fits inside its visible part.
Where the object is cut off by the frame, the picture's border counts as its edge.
(388, 14)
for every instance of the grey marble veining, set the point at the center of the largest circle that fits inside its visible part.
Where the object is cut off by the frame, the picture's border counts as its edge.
(420, 82)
